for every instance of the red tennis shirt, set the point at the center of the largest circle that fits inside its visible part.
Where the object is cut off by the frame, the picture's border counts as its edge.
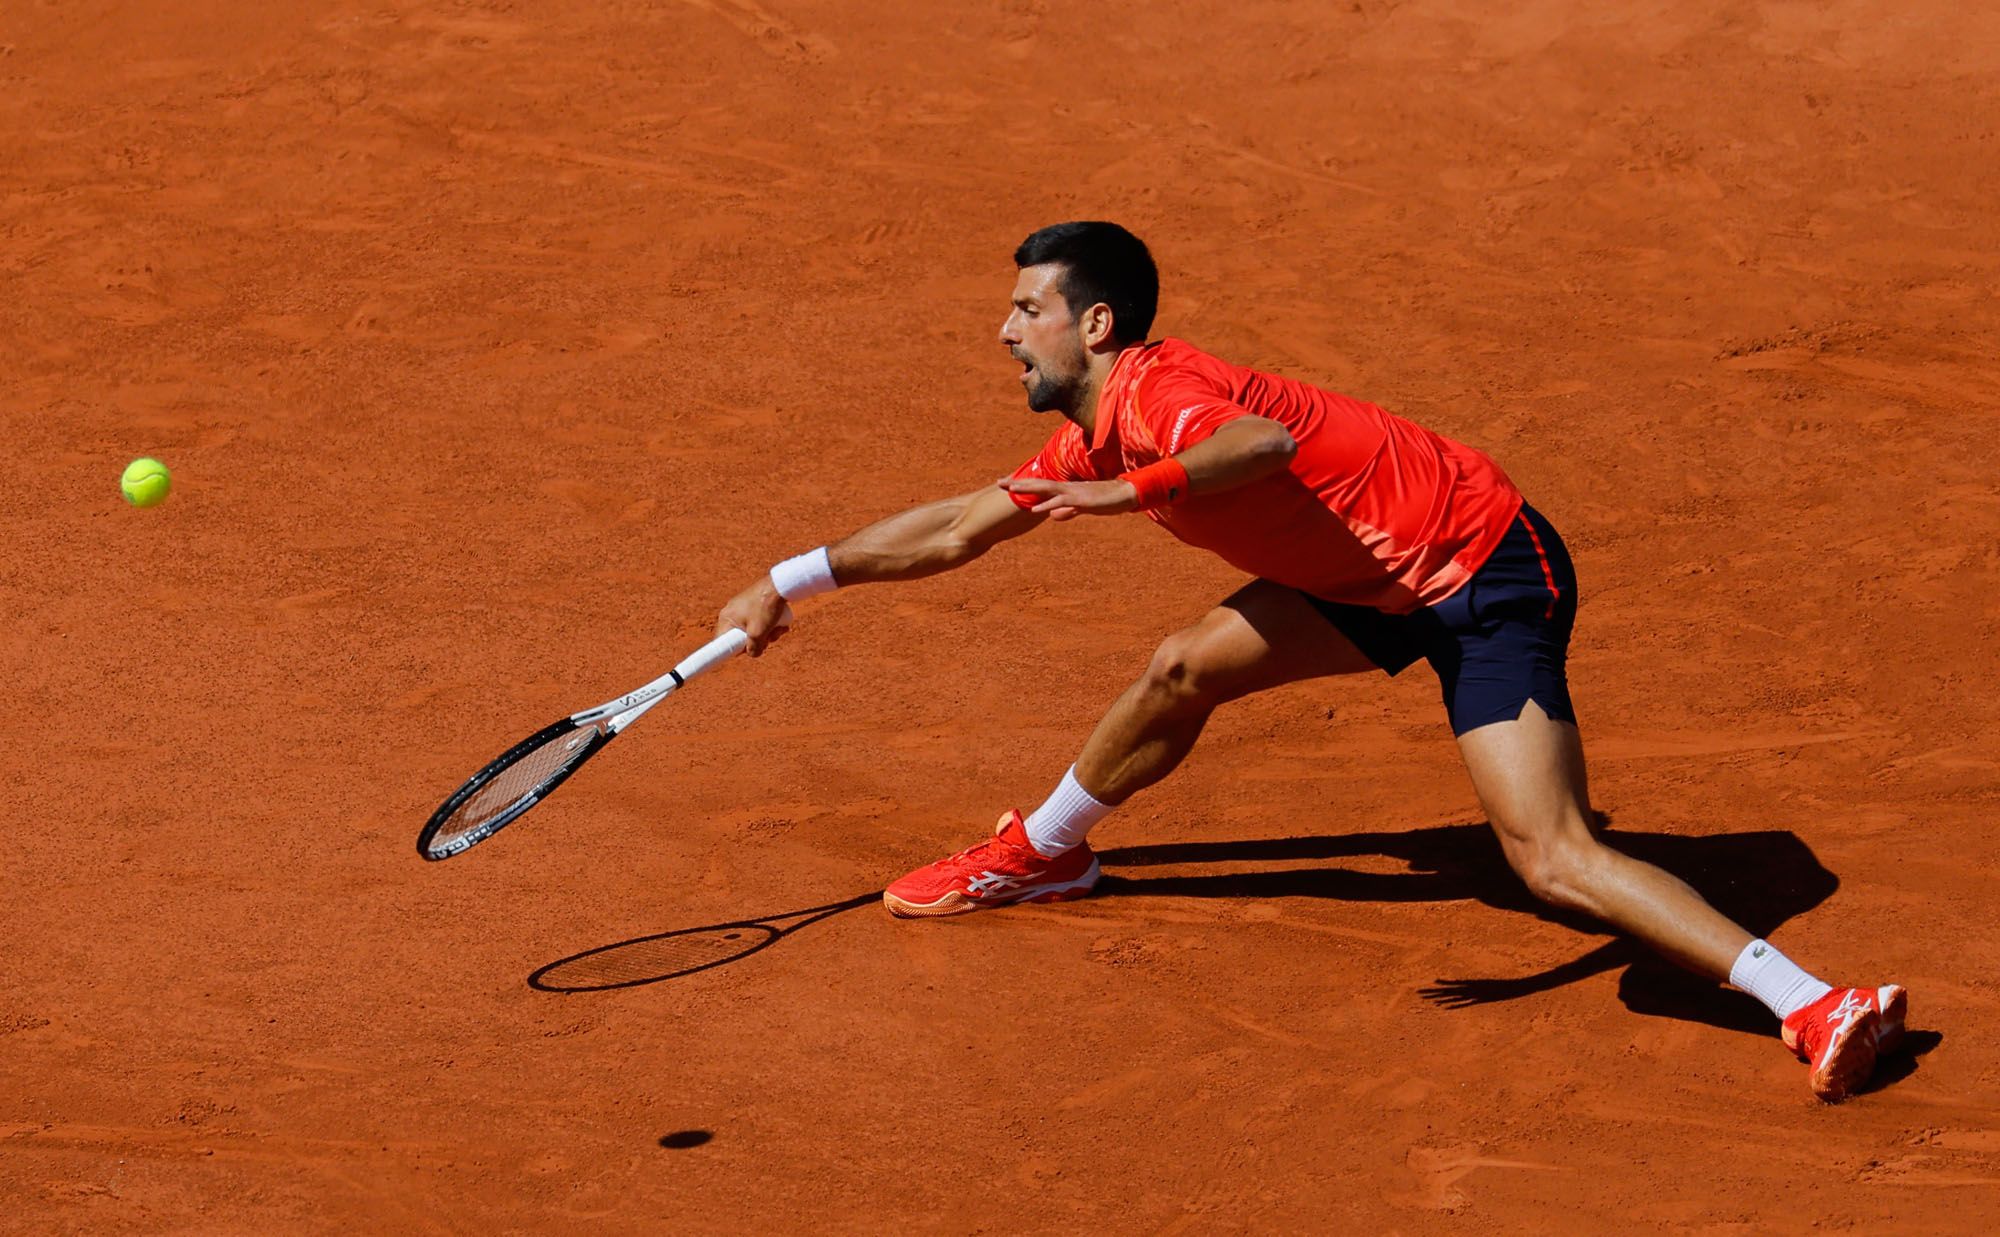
(1372, 511)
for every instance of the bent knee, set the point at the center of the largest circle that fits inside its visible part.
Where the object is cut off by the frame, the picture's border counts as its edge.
(1562, 873)
(1179, 674)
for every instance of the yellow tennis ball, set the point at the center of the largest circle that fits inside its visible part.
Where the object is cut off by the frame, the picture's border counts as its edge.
(146, 483)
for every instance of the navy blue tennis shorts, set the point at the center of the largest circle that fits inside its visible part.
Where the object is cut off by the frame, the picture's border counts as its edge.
(1500, 641)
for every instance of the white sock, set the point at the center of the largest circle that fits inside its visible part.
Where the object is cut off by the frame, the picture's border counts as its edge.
(1774, 979)
(1059, 824)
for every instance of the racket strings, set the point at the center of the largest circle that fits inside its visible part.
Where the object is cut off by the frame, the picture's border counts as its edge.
(529, 773)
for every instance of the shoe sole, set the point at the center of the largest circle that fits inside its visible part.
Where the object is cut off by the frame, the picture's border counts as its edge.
(1848, 1061)
(956, 903)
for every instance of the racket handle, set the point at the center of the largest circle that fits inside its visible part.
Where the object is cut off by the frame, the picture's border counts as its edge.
(721, 649)
(713, 654)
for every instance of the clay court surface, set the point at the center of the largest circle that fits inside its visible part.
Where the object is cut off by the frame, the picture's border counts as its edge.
(494, 346)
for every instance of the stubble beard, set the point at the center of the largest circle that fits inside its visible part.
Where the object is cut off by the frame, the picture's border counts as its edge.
(1054, 392)
(1048, 394)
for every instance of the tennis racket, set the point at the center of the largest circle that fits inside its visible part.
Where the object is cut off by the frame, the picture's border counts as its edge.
(526, 773)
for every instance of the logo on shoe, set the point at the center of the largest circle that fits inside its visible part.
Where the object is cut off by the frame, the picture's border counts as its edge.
(1851, 1006)
(990, 882)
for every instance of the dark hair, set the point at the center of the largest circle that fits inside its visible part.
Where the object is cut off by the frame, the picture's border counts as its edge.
(1102, 263)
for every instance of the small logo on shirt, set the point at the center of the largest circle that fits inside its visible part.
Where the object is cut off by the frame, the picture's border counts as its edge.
(1180, 424)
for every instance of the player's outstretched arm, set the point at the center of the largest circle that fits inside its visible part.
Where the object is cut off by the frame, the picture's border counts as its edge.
(1239, 452)
(932, 538)
(909, 545)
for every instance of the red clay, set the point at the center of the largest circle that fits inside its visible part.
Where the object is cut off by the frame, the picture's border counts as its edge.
(493, 346)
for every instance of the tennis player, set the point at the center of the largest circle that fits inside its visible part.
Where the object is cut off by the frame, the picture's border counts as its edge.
(1373, 542)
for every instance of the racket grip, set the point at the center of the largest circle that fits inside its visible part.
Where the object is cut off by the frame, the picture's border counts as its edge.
(721, 649)
(712, 654)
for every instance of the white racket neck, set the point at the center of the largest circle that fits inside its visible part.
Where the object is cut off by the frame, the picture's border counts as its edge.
(630, 707)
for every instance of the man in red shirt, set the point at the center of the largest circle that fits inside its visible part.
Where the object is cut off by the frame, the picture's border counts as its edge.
(1373, 543)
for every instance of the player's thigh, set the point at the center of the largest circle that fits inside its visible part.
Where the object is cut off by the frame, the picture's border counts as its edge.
(1260, 636)
(1529, 775)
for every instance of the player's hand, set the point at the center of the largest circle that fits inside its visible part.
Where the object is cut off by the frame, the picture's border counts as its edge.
(1065, 500)
(758, 612)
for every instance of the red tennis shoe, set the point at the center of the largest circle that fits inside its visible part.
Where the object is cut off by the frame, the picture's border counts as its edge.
(996, 872)
(1841, 1034)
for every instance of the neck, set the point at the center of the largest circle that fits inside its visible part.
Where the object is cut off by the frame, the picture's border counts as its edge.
(1097, 369)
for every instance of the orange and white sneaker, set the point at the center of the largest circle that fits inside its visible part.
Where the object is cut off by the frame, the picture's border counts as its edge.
(998, 871)
(1840, 1035)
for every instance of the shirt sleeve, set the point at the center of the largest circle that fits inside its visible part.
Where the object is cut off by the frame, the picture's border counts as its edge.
(1060, 459)
(1182, 406)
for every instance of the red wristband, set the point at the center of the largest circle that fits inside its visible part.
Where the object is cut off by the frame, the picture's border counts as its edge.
(1158, 484)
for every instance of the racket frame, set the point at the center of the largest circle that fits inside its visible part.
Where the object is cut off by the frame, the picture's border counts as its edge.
(609, 720)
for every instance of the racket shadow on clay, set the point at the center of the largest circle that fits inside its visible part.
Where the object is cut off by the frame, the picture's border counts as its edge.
(685, 951)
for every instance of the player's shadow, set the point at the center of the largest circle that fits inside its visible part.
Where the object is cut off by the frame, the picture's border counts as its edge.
(1758, 879)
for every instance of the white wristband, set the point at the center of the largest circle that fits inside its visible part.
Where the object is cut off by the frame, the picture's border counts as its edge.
(808, 575)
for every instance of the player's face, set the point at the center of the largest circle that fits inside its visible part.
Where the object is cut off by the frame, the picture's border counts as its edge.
(1046, 339)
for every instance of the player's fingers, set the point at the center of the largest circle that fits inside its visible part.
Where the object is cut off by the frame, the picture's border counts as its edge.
(1029, 485)
(753, 644)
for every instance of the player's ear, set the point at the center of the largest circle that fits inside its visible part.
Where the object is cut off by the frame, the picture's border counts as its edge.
(1098, 322)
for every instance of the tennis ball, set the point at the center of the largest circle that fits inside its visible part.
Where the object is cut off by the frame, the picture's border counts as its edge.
(146, 483)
